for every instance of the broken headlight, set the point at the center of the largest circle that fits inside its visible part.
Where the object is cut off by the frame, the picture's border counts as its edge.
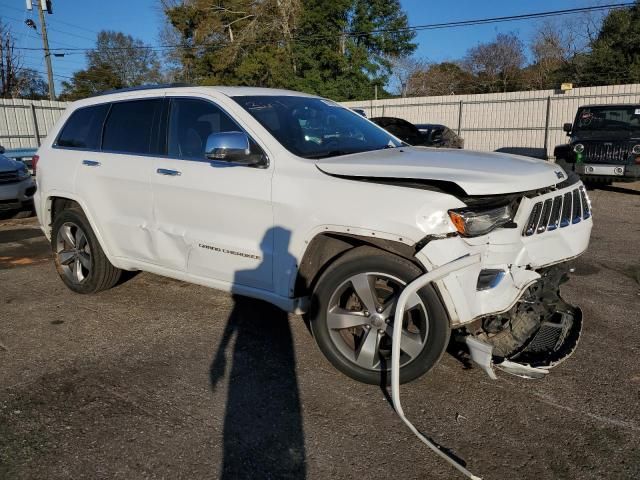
(472, 222)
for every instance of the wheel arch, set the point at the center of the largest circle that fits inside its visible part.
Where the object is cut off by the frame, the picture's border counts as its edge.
(56, 203)
(326, 247)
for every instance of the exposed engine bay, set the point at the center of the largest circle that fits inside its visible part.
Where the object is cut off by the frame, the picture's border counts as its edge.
(538, 333)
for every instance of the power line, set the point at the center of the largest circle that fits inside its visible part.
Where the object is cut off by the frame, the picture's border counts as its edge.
(10, 7)
(314, 38)
(593, 76)
(32, 34)
(17, 20)
(510, 18)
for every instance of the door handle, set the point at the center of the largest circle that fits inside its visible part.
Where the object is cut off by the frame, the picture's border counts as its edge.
(90, 163)
(166, 171)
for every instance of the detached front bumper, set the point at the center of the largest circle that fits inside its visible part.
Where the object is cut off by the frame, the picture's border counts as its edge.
(17, 195)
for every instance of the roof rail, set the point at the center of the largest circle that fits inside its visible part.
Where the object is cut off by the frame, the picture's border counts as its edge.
(142, 87)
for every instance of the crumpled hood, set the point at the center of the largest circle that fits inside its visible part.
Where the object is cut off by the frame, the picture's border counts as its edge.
(8, 164)
(477, 173)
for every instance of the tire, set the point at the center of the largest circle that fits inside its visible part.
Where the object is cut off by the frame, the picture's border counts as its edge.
(342, 324)
(85, 269)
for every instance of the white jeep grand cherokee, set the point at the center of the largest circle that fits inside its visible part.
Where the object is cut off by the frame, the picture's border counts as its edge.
(298, 201)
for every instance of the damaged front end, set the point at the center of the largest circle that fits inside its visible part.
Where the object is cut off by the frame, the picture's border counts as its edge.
(538, 333)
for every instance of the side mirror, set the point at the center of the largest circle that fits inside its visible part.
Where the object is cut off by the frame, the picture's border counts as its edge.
(2, 149)
(231, 147)
(567, 127)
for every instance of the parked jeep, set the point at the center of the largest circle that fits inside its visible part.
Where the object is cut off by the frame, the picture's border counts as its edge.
(298, 201)
(604, 144)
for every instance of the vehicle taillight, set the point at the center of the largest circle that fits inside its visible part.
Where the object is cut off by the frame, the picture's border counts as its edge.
(34, 163)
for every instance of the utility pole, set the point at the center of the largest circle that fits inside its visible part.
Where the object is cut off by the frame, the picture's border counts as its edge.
(42, 6)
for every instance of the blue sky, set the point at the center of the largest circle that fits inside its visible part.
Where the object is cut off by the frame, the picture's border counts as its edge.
(76, 22)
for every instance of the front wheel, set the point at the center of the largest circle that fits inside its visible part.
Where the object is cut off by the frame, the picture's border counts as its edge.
(352, 317)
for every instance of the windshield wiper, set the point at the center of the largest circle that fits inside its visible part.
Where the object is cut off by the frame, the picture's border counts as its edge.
(331, 153)
(335, 153)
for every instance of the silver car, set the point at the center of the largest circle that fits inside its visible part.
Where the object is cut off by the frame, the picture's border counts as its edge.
(16, 184)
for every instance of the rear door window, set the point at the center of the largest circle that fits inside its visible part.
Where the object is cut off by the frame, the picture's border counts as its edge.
(130, 127)
(83, 128)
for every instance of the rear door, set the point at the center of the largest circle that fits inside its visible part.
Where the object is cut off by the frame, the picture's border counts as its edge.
(213, 219)
(115, 181)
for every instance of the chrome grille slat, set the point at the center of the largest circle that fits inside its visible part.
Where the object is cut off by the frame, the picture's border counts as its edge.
(544, 218)
(586, 205)
(558, 212)
(565, 219)
(576, 213)
(534, 218)
(554, 220)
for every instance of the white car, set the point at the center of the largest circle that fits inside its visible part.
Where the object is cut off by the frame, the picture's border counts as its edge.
(16, 185)
(296, 200)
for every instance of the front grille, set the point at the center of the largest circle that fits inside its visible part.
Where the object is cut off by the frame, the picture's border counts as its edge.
(606, 152)
(547, 337)
(9, 177)
(558, 212)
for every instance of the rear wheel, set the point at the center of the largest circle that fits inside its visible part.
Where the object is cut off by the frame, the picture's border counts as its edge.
(352, 319)
(80, 261)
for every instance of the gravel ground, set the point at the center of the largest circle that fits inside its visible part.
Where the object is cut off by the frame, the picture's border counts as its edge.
(161, 379)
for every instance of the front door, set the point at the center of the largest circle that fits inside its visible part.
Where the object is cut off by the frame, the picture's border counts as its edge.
(212, 219)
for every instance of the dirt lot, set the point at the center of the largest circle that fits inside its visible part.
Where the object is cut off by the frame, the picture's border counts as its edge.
(161, 379)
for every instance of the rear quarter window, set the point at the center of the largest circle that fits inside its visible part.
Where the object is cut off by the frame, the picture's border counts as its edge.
(83, 128)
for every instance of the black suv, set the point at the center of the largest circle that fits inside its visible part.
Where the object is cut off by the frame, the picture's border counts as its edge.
(604, 144)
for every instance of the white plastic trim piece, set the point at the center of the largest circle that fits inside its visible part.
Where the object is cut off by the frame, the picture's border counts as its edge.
(482, 355)
(409, 290)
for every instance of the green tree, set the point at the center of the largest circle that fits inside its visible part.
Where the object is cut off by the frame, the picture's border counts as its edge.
(345, 46)
(133, 62)
(236, 42)
(615, 53)
(336, 48)
(118, 61)
(93, 80)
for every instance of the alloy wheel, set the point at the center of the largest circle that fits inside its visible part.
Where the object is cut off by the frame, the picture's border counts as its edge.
(73, 252)
(360, 321)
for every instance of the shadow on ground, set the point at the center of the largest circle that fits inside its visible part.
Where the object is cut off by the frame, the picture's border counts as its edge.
(263, 422)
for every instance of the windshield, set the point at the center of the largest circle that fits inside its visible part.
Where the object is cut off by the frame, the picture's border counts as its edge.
(608, 118)
(316, 128)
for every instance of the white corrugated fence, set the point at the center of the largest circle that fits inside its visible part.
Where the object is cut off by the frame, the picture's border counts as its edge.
(24, 122)
(521, 122)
